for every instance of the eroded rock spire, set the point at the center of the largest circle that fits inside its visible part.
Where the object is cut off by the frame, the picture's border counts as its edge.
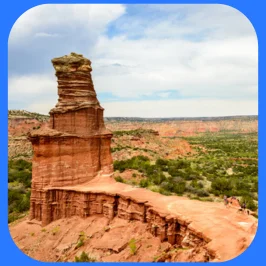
(76, 147)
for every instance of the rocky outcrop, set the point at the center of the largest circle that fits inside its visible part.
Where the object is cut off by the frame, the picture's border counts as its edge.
(65, 203)
(72, 177)
(76, 147)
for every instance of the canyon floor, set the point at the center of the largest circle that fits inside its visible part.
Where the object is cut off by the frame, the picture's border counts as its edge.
(227, 232)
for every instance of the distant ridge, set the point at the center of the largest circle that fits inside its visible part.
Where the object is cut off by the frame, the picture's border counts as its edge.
(23, 114)
(27, 114)
(240, 117)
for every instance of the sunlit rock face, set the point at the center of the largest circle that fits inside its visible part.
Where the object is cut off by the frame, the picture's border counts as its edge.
(76, 147)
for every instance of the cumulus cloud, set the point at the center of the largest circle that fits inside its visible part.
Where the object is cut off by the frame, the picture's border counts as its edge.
(23, 91)
(67, 17)
(227, 69)
(72, 28)
(139, 52)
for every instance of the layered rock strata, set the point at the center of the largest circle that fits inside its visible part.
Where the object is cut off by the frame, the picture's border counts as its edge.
(65, 203)
(76, 147)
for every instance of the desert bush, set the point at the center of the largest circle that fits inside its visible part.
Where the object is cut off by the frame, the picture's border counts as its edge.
(136, 162)
(221, 186)
(18, 200)
(194, 184)
(158, 178)
(179, 188)
(20, 171)
(84, 257)
(132, 246)
(241, 185)
(162, 164)
(254, 187)
(24, 203)
(14, 216)
(81, 240)
(167, 185)
(119, 179)
(164, 192)
(202, 193)
(191, 189)
(55, 230)
(144, 183)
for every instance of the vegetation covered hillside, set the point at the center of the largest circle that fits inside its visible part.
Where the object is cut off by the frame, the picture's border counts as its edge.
(19, 183)
(27, 115)
(223, 164)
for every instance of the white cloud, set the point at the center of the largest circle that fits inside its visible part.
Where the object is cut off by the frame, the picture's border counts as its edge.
(34, 84)
(65, 17)
(200, 51)
(180, 108)
(41, 108)
(209, 68)
(38, 89)
(44, 34)
(164, 94)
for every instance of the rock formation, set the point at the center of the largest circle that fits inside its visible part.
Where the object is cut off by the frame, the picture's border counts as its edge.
(76, 147)
(72, 176)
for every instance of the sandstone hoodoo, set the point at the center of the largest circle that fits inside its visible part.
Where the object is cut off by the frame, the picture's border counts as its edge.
(73, 185)
(76, 147)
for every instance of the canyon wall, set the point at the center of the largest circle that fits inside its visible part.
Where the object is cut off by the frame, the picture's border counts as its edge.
(61, 203)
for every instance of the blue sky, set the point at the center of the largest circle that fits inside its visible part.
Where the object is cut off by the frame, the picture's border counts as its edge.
(147, 60)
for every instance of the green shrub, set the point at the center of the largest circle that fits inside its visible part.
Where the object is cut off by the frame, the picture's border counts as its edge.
(20, 170)
(164, 192)
(222, 186)
(167, 185)
(132, 246)
(18, 200)
(119, 179)
(24, 204)
(81, 240)
(202, 193)
(84, 257)
(144, 183)
(13, 217)
(158, 178)
(55, 230)
(179, 188)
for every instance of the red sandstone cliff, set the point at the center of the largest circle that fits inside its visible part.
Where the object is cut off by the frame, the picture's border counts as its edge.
(76, 147)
